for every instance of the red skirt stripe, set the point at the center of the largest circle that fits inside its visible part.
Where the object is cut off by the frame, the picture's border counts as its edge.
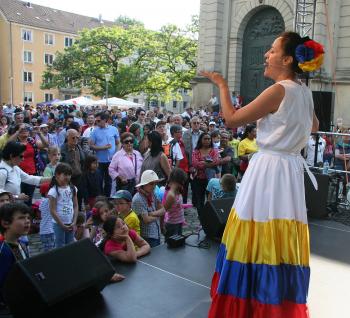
(226, 306)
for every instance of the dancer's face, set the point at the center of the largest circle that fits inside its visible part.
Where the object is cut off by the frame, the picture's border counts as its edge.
(276, 61)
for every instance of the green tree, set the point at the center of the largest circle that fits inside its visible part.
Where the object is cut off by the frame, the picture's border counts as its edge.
(139, 60)
(126, 22)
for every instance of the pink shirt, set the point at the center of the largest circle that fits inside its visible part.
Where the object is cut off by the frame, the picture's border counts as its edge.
(112, 246)
(124, 165)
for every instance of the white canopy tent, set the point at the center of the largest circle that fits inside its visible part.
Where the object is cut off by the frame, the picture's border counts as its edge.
(118, 102)
(78, 101)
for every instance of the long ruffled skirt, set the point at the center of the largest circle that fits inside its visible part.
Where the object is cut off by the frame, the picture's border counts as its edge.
(262, 268)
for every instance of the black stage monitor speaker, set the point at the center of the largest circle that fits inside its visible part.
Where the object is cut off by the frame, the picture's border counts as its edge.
(214, 216)
(39, 282)
(316, 201)
(323, 104)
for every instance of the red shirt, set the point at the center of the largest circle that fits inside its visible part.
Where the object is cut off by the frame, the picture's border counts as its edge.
(112, 246)
(28, 162)
(198, 161)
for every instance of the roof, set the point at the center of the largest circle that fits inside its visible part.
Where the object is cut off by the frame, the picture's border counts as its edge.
(30, 14)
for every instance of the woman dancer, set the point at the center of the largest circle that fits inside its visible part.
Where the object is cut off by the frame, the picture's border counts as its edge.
(262, 268)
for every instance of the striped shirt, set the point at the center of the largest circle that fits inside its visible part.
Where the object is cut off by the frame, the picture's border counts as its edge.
(140, 206)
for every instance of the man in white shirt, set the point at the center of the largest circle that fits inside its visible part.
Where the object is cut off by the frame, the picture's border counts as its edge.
(175, 153)
(310, 150)
(178, 121)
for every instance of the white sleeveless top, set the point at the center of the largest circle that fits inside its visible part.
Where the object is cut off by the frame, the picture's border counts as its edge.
(289, 128)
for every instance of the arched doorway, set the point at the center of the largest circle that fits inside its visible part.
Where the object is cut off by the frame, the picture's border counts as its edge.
(261, 30)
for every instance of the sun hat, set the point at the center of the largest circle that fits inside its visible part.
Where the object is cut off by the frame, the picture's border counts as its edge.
(212, 123)
(43, 126)
(147, 177)
(123, 194)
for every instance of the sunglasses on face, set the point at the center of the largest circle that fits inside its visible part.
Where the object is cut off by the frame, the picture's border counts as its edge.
(128, 141)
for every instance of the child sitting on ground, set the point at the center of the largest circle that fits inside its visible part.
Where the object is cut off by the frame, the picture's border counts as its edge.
(172, 201)
(122, 203)
(119, 242)
(222, 188)
(100, 213)
(14, 223)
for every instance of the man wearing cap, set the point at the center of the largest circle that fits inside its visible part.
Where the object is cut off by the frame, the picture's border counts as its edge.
(148, 208)
(212, 126)
(122, 203)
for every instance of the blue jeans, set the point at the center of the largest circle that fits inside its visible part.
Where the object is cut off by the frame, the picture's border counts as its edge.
(106, 180)
(152, 241)
(62, 237)
(47, 241)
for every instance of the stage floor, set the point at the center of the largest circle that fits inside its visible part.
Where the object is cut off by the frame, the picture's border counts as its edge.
(175, 283)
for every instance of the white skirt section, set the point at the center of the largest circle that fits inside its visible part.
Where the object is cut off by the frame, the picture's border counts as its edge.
(272, 188)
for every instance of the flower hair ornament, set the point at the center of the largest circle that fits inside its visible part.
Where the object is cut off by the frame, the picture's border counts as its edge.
(309, 55)
(94, 211)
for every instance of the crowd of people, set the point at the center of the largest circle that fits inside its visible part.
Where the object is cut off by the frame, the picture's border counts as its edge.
(120, 178)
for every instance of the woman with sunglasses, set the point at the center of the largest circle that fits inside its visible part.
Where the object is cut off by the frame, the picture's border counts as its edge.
(126, 165)
(11, 175)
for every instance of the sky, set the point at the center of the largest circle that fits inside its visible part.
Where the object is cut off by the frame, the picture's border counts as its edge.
(153, 13)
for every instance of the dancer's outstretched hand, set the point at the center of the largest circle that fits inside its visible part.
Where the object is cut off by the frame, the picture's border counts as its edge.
(215, 77)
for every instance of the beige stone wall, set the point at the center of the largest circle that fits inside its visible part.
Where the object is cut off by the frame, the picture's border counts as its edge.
(222, 24)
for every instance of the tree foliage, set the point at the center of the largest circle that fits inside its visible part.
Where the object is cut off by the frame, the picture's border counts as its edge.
(138, 60)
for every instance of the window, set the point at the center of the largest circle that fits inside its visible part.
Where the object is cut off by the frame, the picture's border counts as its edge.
(27, 35)
(28, 97)
(68, 41)
(68, 81)
(48, 97)
(185, 105)
(48, 60)
(174, 103)
(28, 77)
(47, 79)
(49, 39)
(162, 104)
(185, 91)
(68, 97)
(154, 103)
(27, 57)
(136, 100)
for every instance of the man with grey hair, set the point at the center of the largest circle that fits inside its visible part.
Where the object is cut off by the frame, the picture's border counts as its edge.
(190, 140)
(178, 121)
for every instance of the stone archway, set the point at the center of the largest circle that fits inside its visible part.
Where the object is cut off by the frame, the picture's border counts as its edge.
(261, 30)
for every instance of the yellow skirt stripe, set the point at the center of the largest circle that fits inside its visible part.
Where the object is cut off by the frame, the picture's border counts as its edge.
(273, 242)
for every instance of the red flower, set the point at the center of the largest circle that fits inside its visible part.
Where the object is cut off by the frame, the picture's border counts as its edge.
(94, 211)
(317, 47)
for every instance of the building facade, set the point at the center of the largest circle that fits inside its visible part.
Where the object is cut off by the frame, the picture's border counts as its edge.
(235, 34)
(30, 36)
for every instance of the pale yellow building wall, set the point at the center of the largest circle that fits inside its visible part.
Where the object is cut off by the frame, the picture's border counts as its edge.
(38, 48)
(5, 65)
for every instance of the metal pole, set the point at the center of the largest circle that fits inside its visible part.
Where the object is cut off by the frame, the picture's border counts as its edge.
(107, 93)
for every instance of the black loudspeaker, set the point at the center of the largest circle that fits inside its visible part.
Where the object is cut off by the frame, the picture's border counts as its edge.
(214, 216)
(37, 283)
(323, 104)
(316, 201)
